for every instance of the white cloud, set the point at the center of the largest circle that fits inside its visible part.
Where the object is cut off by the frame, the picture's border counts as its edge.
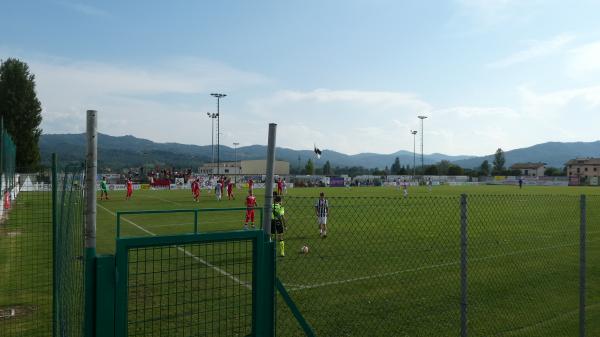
(486, 14)
(133, 99)
(584, 61)
(535, 49)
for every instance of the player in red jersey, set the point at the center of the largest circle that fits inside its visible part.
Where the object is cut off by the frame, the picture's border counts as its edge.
(250, 204)
(279, 187)
(250, 184)
(230, 190)
(196, 190)
(129, 189)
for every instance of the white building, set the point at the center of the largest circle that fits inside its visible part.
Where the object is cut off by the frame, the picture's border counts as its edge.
(530, 169)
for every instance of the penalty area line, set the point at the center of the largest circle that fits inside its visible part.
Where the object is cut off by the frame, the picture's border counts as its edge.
(185, 251)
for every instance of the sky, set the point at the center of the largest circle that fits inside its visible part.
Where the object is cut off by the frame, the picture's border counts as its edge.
(350, 76)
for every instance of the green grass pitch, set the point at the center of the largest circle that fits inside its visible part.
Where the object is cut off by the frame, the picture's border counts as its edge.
(389, 266)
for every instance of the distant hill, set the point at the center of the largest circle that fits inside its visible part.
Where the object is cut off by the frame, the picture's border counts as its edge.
(552, 153)
(129, 151)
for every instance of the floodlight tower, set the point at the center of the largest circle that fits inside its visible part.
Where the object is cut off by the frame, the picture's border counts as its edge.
(218, 96)
(212, 117)
(414, 133)
(422, 117)
(235, 144)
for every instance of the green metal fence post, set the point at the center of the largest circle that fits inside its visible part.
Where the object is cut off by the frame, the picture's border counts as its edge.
(54, 246)
(582, 264)
(264, 297)
(195, 221)
(105, 296)
(118, 224)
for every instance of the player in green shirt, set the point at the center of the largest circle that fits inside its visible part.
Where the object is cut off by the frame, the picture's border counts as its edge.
(278, 224)
(103, 189)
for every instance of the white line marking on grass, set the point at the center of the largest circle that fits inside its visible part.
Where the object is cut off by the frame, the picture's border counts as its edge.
(162, 199)
(186, 252)
(369, 277)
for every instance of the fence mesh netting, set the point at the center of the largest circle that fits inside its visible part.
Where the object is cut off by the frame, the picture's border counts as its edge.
(392, 266)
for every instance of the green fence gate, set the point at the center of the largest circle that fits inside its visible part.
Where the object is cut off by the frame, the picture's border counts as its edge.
(209, 284)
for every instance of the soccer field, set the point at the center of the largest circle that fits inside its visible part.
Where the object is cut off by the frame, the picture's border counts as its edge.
(391, 266)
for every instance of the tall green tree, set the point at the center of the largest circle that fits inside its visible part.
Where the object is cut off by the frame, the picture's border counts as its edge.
(485, 168)
(395, 169)
(443, 167)
(327, 168)
(499, 161)
(21, 111)
(309, 167)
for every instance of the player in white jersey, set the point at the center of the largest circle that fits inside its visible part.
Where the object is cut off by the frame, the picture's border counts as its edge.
(405, 188)
(322, 211)
(218, 191)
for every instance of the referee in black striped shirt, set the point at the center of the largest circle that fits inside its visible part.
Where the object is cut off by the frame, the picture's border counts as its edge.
(322, 210)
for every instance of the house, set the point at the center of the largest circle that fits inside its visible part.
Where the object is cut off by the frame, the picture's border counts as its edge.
(530, 169)
(583, 167)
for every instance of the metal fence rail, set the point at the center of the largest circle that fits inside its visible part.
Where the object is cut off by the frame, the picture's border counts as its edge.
(477, 265)
(191, 285)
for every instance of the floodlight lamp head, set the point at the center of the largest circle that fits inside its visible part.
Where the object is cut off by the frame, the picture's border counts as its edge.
(422, 117)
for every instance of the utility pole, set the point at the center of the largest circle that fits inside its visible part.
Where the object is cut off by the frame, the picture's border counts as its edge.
(218, 96)
(235, 144)
(212, 138)
(422, 117)
(414, 133)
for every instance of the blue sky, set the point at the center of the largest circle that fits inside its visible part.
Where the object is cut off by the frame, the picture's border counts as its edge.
(347, 75)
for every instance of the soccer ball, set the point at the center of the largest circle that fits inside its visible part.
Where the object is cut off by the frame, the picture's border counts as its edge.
(304, 249)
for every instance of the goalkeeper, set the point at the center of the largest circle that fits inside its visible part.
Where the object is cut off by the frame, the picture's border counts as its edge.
(278, 224)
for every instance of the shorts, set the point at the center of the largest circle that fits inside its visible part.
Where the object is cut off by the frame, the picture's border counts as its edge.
(322, 220)
(250, 215)
(276, 227)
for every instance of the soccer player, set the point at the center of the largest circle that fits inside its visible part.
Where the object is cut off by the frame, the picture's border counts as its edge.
(322, 210)
(103, 189)
(278, 223)
(250, 204)
(250, 184)
(284, 186)
(222, 181)
(230, 190)
(196, 190)
(429, 184)
(219, 190)
(405, 188)
(129, 189)
(279, 187)
(520, 182)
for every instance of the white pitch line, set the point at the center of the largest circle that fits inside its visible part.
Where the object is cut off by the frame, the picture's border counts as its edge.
(162, 199)
(362, 278)
(186, 252)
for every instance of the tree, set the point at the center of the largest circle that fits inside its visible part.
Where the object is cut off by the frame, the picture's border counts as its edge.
(21, 111)
(455, 170)
(499, 161)
(443, 167)
(485, 168)
(395, 169)
(431, 170)
(553, 172)
(309, 167)
(327, 168)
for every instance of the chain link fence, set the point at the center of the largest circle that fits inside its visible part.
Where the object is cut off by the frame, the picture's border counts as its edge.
(477, 265)
(69, 263)
(26, 258)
